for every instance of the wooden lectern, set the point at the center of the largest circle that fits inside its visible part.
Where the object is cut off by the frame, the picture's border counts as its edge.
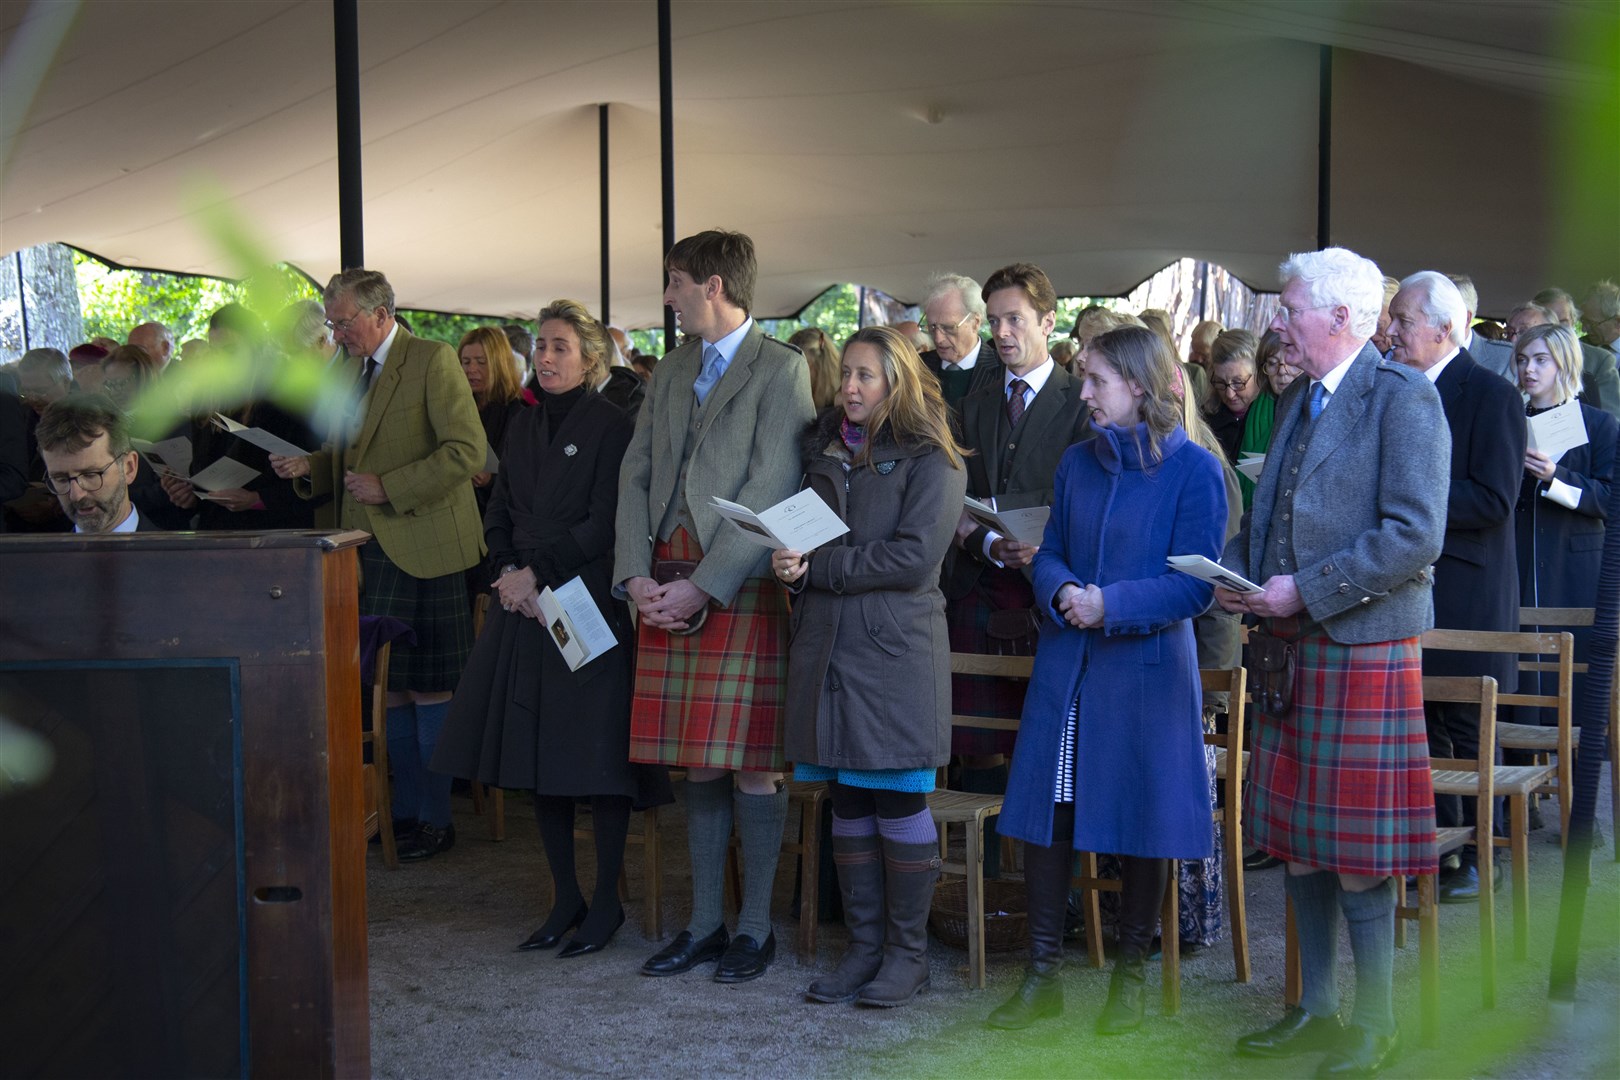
(184, 893)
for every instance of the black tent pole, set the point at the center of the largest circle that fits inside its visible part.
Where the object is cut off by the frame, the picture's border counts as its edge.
(666, 148)
(602, 148)
(1324, 146)
(351, 203)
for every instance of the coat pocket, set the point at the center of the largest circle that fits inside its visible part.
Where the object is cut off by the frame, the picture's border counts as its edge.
(1592, 541)
(881, 625)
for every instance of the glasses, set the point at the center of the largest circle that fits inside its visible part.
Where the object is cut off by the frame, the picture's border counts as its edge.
(1275, 365)
(342, 325)
(1288, 314)
(933, 329)
(1235, 386)
(90, 480)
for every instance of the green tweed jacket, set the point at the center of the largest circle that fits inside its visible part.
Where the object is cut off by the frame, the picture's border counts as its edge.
(422, 436)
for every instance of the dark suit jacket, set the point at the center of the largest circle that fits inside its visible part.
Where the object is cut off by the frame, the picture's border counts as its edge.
(1476, 577)
(986, 370)
(1015, 466)
(1600, 386)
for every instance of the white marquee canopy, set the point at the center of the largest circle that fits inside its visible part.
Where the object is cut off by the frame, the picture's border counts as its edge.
(873, 142)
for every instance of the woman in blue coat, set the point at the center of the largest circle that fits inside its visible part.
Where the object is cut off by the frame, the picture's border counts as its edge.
(1110, 753)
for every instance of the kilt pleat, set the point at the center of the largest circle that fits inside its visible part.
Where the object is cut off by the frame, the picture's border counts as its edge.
(436, 608)
(1343, 782)
(714, 699)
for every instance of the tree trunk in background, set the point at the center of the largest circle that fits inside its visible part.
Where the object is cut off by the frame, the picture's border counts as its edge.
(51, 301)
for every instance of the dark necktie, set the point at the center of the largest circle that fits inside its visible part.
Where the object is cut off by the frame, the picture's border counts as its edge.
(1015, 401)
(1318, 400)
(368, 374)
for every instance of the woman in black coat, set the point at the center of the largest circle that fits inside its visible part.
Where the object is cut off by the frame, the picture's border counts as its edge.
(520, 718)
(869, 700)
(1559, 515)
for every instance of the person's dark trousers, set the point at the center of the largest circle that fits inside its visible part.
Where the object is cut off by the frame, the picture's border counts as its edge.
(1453, 729)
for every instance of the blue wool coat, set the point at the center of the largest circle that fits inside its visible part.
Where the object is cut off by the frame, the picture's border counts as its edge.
(1140, 784)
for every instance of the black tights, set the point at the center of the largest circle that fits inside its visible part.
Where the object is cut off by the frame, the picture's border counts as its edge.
(610, 821)
(850, 802)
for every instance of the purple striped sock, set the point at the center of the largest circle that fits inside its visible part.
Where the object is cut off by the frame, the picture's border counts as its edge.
(860, 826)
(916, 829)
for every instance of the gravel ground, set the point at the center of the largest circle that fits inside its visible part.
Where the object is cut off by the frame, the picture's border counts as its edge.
(451, 997)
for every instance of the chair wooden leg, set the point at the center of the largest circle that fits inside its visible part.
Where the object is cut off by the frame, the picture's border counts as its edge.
(1293, 982)
(477, 791)
(1487, 916)
(1236, 900)
(975, 903)
(1170, 941)
(1614, 773)
(1400, 902)
(652, 874)
(1519, 841)
(809, 876)
(1428, 960)
(1091, 906)
(385, 796)
(1566, 792)
(497, 814)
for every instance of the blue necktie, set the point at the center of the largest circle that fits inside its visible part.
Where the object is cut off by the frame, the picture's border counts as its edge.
(709, 375)
(1318, 400)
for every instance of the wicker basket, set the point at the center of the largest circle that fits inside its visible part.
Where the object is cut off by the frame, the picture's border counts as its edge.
(1006, 905)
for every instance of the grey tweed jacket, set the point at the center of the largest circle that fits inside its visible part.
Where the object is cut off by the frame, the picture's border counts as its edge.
(1369, 501)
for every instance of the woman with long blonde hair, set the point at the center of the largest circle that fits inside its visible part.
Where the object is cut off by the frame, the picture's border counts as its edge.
(822, 356)
(869, 701)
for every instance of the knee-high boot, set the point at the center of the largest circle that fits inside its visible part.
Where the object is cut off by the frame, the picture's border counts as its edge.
(1047, 873)
(909, 873)
(1142, 883)
(859, 860)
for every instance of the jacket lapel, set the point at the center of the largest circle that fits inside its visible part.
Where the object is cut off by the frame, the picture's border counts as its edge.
(1048, 406)
(1290, 414)
(738, 372)
(383, 389)
(1343, 415)
(686, 363)
(985, 433)
(556, 463)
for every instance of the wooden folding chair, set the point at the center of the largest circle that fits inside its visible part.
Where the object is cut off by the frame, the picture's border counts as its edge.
(1231, 761)
(1517, 783)
(970, 809)
(1540, 619)
(374, 775)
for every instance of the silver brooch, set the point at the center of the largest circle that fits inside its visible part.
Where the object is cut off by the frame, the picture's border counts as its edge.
(570, 449)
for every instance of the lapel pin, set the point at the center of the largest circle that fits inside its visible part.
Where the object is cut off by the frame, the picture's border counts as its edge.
(570, 449)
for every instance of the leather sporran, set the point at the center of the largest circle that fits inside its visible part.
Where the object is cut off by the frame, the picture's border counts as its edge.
(1271, 673)
(1013, 632)
(665, 571)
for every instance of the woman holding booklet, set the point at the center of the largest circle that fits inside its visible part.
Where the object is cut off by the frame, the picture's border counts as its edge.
(1110, 754)
(868, 693)
(1559, 515)
(520, 718)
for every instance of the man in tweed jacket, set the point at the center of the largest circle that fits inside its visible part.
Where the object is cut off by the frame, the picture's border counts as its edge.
(402, 471)
(722, 418)
(1348, 517)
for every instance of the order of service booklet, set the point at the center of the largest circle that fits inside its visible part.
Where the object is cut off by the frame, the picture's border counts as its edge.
(800, 522)
(570, 616)
(1027, 526)
(1212, 572)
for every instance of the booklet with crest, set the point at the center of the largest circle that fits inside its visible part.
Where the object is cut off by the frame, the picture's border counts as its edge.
(171, 457)
(1558, 431)
(1212, 572)
(800, 522)
(259, 437)
(572, 619)
(1027, 526)
(222, 474)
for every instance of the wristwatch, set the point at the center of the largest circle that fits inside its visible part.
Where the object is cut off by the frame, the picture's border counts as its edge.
(509, 568)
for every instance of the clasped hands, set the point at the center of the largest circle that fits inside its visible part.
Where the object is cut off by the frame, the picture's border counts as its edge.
(1081, 608)
(364, 488)
(519, 592)
(667, 607)
(1278, 598)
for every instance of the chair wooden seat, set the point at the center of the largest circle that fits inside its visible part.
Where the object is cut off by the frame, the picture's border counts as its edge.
(961, 807)
(1451, 838)
(1221, 766)
(1543, 740)
(1514, 780)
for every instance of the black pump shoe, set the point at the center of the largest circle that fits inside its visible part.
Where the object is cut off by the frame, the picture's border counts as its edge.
(576, 947)
(540, 939)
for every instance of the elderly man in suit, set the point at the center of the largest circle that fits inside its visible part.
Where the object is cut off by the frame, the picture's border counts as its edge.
(1477, 577)
(1017, 427)
(1493, 356)
(401, 471)
(90, 465)
(1600, 384)
(961, 360)
(1348, 516)
(722, 418)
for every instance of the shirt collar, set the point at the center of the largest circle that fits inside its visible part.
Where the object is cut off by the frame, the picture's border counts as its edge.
(967, 362)
(729, 344)
(1335, 376)
(1434, 372)
(381, 355)
(1034, 379)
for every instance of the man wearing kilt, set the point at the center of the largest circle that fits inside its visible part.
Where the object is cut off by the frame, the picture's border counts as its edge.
(1017, 428)
(721, 418)
(1348, 518)
(402, 468)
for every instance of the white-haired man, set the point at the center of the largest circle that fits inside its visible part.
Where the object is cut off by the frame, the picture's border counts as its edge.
(1348, 516)
(1600, 384)
(952, 316)
(156, 339)
(1491, 355)
(1477, 577)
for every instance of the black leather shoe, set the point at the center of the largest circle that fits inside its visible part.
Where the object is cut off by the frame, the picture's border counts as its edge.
(1462, 886)
(545, 939)
(576, 947)
(430, 840)
(686, 952)
(1039, 997)
(1360, 1054)
(1298, 1032)
(1260, 860)
(745, 959)
(404, 829)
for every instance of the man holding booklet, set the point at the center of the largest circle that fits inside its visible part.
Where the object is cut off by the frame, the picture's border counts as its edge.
(721, 418)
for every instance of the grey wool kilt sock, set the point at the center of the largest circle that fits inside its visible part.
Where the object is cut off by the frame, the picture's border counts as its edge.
(1316, 918)
(760, 821)
(1370, 915)
(708, 835)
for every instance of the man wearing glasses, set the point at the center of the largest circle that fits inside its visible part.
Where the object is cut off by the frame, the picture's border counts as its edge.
(89, 464)
(952, 315)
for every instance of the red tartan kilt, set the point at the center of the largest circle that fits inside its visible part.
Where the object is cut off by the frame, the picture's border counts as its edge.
(1343, 782)
(985, 695)
(713, 699)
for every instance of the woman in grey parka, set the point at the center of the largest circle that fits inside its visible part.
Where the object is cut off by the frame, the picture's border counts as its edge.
(869, 666)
